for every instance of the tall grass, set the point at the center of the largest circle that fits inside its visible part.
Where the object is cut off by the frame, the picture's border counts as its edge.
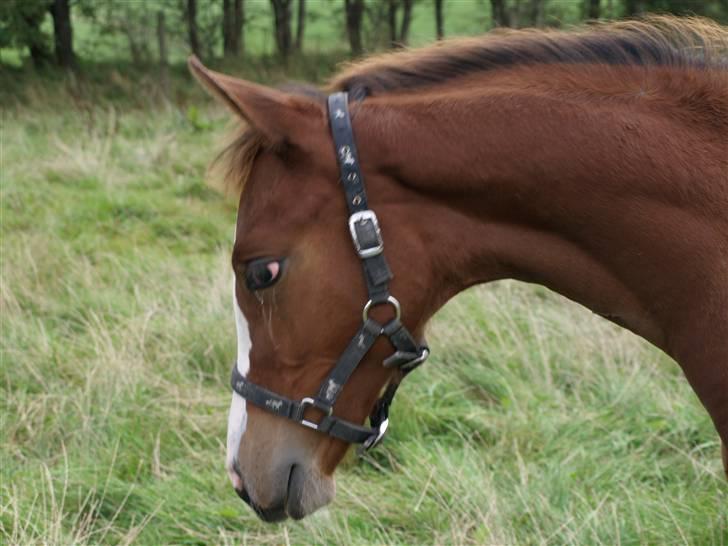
(535, 422)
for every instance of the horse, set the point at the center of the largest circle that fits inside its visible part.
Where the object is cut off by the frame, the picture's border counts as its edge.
(593, 162)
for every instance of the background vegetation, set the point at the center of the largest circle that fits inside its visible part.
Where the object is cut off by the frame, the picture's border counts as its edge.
(535, 422)
(66, 32)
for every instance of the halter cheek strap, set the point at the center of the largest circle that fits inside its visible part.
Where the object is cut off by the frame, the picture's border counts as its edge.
(369, 246)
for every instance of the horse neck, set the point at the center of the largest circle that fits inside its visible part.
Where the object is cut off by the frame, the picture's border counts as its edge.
(615, 203)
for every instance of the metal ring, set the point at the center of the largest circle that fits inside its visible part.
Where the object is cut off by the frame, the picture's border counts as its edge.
(391, 300)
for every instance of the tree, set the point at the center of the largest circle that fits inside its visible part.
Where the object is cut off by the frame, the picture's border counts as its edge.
(593, 12)
(239, 26)
(499, 13)
(537, 12)
(282, 27)
(63, 33)
(300, 24)
(227, 27)
(392, 22)
(354, 11)
(20, 26)
(162, 38)
(233, 15)
(163, 56)
(439, 23)
(191, 16)
(406, 20)
(399, 38)
(634, 7)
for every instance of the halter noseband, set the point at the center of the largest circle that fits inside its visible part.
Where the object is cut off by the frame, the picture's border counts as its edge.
(367, 238)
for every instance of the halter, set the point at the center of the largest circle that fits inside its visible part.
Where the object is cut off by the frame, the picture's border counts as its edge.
(367, 239)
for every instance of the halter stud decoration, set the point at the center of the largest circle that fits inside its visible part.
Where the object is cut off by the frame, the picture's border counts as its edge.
(369, 246)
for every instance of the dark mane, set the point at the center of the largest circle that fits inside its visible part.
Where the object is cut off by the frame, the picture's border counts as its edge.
(656, 40)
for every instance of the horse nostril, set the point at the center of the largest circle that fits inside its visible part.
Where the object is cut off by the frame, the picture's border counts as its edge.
(243, 494)
(236, 477)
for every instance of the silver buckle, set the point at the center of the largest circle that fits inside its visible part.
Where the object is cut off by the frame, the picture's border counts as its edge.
(373, 441)
(417, 361)
(305, 402)
(362, 216)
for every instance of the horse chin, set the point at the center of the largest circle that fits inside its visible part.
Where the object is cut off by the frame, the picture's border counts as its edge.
(308, 490)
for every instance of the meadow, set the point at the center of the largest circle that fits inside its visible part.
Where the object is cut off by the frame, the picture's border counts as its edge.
(534, 422)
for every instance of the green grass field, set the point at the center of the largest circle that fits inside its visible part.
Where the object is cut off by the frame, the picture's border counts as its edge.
(535, 422)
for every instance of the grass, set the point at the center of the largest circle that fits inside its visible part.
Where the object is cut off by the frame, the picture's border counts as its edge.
(535, 422)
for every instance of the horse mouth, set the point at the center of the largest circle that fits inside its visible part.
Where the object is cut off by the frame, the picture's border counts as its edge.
(269, 515)
(304, 493)
(292, 505)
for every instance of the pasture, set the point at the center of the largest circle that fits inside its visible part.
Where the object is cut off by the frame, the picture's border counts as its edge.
(534, 422)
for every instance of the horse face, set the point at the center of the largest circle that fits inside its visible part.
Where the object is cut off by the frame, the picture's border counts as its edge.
(298, 299)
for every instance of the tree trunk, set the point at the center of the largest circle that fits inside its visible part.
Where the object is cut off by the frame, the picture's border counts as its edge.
(192, 26)
(499, 14)
(300, 24)
(406, 20)
(593, 9)
(537, 9)
(38, 51)
(131, 36)
(392, 22)
(162, 42)
(282, 21)
(514, 14)
(238, 25)
(233, 15)
(162, 38)
(354, 11)
(439, 23)
(227, 28)
(39, 55)
(63, 33)
(633, 7)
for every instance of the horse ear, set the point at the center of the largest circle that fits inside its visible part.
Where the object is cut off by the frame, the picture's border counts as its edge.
(279, 116)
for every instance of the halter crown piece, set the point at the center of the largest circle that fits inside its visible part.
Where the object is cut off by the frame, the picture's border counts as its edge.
(368, 244)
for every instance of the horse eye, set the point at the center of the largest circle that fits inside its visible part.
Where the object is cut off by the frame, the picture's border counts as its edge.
(262, 273)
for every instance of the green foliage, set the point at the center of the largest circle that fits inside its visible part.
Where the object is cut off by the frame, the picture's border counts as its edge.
(535, 422)
(20, 22)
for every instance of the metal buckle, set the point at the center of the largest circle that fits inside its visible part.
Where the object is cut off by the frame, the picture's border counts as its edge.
(365, 216)
(305, 402)
(412, 364)
(374, 440)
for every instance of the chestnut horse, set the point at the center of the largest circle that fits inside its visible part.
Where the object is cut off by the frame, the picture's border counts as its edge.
(592, 162)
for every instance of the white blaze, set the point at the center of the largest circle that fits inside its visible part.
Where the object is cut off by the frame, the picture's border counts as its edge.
(238, 418)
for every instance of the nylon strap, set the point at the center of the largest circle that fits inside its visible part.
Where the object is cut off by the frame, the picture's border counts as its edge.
(291, 409)
(348, 361)
(376, 270)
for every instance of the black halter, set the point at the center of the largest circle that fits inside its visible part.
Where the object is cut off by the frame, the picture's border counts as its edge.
(367, 238)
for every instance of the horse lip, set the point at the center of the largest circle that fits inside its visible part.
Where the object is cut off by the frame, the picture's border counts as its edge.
(268, 515)
(293, 501)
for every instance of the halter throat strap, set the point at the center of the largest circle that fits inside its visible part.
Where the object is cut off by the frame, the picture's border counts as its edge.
(368, 244)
